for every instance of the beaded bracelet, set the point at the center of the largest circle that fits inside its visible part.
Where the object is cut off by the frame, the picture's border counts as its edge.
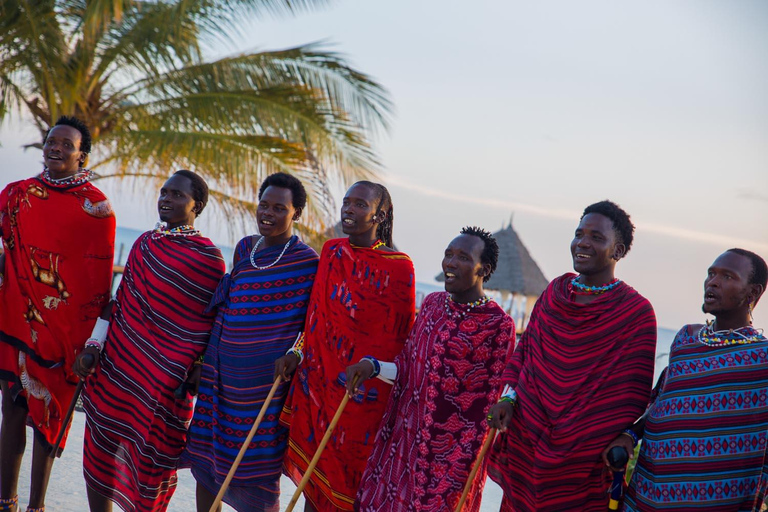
(93, 342)
(508, 399)
(199, 360)
(375, 363)
(631, 433)
(297, 352)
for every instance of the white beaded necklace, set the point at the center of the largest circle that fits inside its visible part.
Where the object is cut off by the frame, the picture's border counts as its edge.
(256, 247)
(463, 309)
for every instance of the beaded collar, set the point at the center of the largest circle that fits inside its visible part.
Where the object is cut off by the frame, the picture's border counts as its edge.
(161, 231)
(378, 243)
(463, 309)
(80, 177)
(583, 289)
(707, 335)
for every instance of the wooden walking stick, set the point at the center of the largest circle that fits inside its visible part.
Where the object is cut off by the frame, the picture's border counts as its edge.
(319, 451)
(475, 468)
(247, 442)
(87, 362)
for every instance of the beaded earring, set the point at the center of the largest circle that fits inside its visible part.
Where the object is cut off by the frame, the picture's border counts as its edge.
(751, 307)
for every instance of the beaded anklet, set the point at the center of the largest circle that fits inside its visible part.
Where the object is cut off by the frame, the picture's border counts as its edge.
(30, 509)
(9, 504)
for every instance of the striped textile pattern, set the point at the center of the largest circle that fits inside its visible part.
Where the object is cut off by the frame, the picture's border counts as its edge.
(136, 428)
(260, 314)
(583, 373)
(705, 440)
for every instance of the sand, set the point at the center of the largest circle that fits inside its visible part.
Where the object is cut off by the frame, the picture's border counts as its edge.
(66, 491)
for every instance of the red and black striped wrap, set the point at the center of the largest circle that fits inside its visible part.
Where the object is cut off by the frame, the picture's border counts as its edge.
(136, 427)
(583, 373)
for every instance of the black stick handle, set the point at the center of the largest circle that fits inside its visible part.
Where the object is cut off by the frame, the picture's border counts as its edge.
(88, 361)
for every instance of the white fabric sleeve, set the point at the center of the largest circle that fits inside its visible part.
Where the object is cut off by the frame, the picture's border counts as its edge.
(388, 371)
(99, 332)
(509, 392)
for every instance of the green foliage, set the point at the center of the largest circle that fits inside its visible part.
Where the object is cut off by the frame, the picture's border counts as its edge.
(134, 71)
(632, 462)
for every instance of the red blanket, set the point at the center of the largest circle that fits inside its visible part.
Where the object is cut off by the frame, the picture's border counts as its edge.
(362, 303)
(137, 427)
(59, 244)
(583, 373)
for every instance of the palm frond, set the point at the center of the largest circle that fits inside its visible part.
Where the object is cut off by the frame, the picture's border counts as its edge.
(134, 71)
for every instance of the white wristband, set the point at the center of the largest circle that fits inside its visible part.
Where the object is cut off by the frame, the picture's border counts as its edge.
(388, 371)
(509, 392)
(98, 335)
(99, 332)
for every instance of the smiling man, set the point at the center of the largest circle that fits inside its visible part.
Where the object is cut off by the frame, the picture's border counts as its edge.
(58, 233)
(581, 374)
(704, 441)
(362, 302)
(446, 379)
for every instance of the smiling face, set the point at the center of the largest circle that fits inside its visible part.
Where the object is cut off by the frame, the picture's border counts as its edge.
(463, 268)
(358, 210)
(275, 213)
(727, 286)
(595, 248)
(61, 151)
(176, 204)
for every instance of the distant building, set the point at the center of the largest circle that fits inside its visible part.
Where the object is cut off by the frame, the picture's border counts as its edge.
(518, 281)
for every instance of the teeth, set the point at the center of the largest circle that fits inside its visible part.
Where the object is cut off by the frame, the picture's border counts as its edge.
(348, 221)
(450, 274)
(267, 222)
(583, 256)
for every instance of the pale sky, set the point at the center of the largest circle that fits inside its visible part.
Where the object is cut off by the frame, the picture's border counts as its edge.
(538, 109)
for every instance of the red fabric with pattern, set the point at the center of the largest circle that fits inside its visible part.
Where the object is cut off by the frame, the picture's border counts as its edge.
(136, 426)
(362, 303)
(59, 245)
(448, 376)
(583, 373)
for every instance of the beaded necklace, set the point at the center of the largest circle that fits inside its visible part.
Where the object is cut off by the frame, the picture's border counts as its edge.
(161, 231)
(741, 336)
(463, 309)
(80, 177)
(256, 247)
(378, 243)
(583, 289)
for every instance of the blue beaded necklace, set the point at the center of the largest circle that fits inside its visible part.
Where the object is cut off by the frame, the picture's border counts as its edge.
(581, 288)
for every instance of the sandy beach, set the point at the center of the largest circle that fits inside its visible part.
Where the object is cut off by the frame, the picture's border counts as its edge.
(66, 492)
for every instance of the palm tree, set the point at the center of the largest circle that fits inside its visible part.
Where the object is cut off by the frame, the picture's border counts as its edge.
(134, 70)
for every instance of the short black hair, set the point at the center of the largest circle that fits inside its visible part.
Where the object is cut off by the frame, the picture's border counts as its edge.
(759, 273)
(85, 133)
(292, 183)
(622, 225)
(490, 252)
(199, 188)
(384, 229)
